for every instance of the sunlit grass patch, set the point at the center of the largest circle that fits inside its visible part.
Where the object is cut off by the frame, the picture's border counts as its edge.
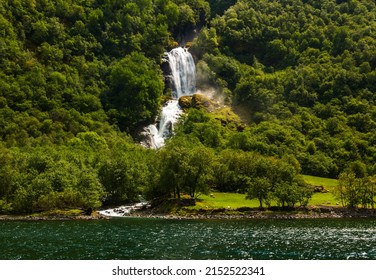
(217, 200)
(319, 181)
(324, 198)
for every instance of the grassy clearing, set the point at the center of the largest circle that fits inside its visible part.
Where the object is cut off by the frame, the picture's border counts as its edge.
(319, 181)
(235, 200)
(223, 200)
(322, 198)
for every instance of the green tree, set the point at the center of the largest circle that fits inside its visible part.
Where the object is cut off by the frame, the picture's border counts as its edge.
(136, 86)
(125, 175)
(199, 171)
(185, 168)
(260, 188)
(206, 42)
(347, 190)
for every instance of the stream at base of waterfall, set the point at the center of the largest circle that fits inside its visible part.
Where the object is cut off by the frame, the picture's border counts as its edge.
(124, 210)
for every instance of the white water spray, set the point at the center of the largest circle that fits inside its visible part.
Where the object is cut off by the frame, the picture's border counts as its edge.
(183, 72)
(125, 210)
(183, 77)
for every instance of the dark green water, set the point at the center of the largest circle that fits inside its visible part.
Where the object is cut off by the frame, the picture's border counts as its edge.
(134, 238)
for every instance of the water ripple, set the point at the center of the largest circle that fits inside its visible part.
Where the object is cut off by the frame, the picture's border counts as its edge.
(163, 239)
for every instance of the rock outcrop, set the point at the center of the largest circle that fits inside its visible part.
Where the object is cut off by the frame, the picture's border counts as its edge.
(185, 102)
(198, 101)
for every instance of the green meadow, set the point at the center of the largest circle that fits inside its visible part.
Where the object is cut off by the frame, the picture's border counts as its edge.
(216, 200)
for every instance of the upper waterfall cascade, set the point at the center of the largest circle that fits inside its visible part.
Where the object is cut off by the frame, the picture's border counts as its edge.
(183, 77)
(183, 72)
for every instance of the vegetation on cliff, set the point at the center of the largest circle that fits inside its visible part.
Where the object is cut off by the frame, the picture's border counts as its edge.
(79, 78)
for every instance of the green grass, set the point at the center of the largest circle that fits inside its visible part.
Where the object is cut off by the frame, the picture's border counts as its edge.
(223, 200)
(235, 200)
(322, 198)
(319, 181)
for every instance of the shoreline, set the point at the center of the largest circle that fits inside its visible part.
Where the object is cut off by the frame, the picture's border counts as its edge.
(322, 212)
(317, 212)
(52, 217)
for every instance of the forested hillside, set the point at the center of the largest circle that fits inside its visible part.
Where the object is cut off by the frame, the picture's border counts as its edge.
(78, 78)
(306, 72)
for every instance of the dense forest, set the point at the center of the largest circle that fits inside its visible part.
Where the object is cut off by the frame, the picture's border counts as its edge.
(79, 78)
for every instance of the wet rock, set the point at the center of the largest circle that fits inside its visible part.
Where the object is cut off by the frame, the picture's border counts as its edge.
(168, 129)
(147, 137)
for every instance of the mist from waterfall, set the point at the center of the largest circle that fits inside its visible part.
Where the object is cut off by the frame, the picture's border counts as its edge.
(183, 78)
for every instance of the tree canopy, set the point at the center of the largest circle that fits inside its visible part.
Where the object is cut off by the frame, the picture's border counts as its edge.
(79, 78)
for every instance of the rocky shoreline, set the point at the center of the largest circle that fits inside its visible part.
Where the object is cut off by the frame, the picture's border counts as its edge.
(321, 212)
(314, 212)
(51, 217)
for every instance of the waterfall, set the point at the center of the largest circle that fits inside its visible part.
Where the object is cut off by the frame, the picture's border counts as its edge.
(183, 78)
(159, 132)
(183, 72)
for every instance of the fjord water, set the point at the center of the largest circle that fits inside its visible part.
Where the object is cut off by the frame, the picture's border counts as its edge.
(139, 238)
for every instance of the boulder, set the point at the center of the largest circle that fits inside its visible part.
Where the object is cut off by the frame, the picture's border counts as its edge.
(185, 102)
(201, 101)
(198, 101)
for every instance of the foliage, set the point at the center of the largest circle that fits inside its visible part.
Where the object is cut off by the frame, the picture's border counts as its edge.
(136, 86)
(353, 191)
(125, 175)
(260, 189)
(47, 178)
(75, 76)
(185, 168)
(305, 86)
